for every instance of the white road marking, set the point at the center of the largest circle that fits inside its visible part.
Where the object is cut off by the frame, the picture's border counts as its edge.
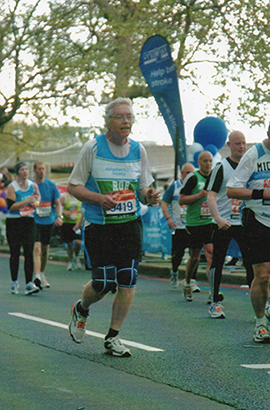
(254, 346)
(88, 332)
(256, 366)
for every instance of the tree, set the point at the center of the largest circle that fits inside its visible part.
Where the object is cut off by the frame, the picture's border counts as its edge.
(22, 137)
(57, 53)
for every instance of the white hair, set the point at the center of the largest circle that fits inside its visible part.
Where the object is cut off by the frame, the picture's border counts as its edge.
(114, 103)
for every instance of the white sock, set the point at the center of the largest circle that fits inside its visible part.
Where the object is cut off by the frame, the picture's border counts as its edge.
(261, 321)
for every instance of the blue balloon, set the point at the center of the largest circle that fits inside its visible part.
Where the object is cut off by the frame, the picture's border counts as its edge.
(211, 148)
(196, 157)
(211, 130)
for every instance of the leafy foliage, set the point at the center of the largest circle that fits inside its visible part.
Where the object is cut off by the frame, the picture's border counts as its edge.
(57, 50)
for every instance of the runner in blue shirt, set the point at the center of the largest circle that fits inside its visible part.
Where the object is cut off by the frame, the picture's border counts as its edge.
(48, 214)
(175, 216)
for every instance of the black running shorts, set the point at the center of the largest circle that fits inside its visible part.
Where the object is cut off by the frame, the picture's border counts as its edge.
(44, 233)
(258, 237)
(114, 244)
(200, 235)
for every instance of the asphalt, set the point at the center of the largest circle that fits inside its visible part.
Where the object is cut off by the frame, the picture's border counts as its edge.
(158, 266)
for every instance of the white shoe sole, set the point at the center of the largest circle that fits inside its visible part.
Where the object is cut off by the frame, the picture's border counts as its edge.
(266, 341)
(30, 292)
(116, 354)
(72, 337)
(222, 316)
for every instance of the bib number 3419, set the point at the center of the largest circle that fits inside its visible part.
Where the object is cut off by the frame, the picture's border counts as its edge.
(126, 203)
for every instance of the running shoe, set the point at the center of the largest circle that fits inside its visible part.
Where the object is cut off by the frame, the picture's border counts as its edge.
(174, 280)
(216, 312)
(261, 334)
(267, 311)
(14, 289)
(232, 262)
(77, 264)
(44, 282)
(37, 281)
(114, 347)
(194, 287)
(187, 292)
(70, 266)
(76, 327)
(31, 288)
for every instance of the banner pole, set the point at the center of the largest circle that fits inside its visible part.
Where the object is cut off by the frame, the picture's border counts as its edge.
(160, 73)
(176, 154)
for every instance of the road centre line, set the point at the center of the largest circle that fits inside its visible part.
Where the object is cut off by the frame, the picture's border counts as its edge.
(88, 332)
(256, 366)
(127, 342)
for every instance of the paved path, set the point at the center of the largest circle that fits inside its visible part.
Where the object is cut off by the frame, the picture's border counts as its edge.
(154, 265)
(181, 358)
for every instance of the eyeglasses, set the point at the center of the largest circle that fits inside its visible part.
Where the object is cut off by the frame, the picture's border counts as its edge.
(120, 117)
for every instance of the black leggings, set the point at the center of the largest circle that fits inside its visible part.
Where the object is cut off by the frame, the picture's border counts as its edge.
(180, 241)
(21, 232)
(221, 240)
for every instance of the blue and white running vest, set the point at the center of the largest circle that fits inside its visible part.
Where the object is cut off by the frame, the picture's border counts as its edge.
(171, 196)
(260, 179)
(253, 172)
(117, 176)
(25, 210)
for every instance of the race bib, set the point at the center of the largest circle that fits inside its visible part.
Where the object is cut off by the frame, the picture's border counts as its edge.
(26, 210)
(266, 185)
(74, 214)
(235, 208)
(44, 209)
(205, 211)
(126, 203)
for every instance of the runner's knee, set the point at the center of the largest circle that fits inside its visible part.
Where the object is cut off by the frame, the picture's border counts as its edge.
(127, 277)
(103, 279)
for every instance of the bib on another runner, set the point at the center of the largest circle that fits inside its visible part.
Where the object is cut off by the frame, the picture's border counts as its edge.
(26, 210)
(235, 210)
(205, 211)
(44, 209)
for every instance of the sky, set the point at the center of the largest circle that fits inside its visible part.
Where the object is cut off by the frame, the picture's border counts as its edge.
(194, 110)
(152, 127)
